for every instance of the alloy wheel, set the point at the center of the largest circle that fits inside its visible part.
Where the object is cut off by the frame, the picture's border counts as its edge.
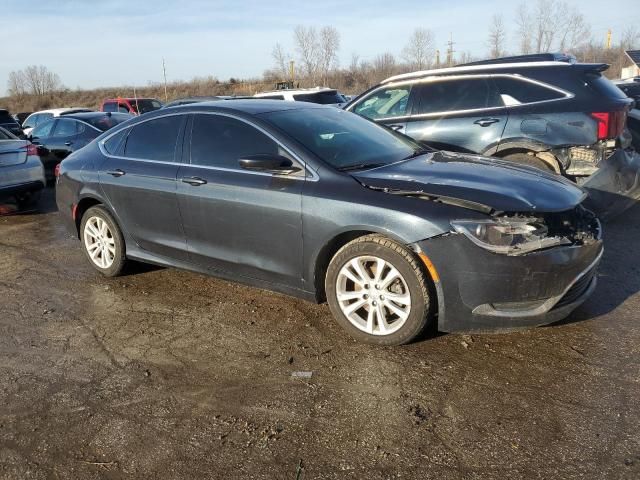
(373, 295)
(99, 242)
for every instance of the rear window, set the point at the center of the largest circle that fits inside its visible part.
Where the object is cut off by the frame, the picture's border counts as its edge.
(110, 107)
(515, 91)
(6, 135)
(323, 98)
(271, 97)
(604, 86)
(106, 122)
(145, 106)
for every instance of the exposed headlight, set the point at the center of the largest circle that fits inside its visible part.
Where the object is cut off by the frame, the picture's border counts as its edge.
(508, 235)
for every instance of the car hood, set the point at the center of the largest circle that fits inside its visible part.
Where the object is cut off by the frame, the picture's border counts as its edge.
(477, 181)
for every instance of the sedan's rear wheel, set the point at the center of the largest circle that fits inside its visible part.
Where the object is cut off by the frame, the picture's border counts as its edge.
(378, 291)
(102, 241)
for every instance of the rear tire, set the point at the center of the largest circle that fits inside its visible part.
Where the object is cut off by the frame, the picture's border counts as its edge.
(529, 160)
(378, 291)
(102, 241)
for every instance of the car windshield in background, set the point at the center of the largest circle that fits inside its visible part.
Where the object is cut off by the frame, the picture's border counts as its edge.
(145, 106)
(323, 98)
(342, 139)
(6, 118)
(106, 122)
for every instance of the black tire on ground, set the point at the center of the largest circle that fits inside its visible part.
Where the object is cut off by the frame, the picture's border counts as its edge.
(28, 199)
(529, 160)
(409, 266)
(120, 258)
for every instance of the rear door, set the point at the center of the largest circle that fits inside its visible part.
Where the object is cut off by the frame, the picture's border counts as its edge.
(237, 221)
(138, 177)
(462, 114)
(61, 142)
(388, 105)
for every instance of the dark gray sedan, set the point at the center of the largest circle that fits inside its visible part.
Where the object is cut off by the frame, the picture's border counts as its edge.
(323, 204)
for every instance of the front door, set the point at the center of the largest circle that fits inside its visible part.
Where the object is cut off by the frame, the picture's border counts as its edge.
(139, 180)
(236, 221)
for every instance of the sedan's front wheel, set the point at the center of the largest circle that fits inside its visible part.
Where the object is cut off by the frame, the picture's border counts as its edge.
(377, 291)
(102, 241)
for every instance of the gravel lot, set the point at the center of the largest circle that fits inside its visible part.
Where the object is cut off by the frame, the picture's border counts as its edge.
(172, 375)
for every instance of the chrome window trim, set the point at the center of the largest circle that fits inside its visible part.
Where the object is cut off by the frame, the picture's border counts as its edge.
(434, 78)
(309, 173)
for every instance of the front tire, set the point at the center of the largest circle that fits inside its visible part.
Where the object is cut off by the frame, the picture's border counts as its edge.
(102, 241)
(529, 160)
(378, 291)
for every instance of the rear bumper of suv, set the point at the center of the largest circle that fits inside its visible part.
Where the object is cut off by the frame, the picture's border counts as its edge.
(483, 291)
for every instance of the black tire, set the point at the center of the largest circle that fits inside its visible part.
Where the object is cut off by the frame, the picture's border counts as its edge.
(530, 161)
(120, 259)
(28, 199)
(409, 266)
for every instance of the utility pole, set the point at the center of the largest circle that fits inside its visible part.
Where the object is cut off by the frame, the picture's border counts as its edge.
(437, 58)
(292, 70)
(608, 44)
(164, 72)
(450, 50)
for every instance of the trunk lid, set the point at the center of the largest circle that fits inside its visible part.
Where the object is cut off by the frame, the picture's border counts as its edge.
(12, 152)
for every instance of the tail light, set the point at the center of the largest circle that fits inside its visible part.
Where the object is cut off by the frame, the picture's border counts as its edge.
(56, 171)
(609, 124)
(32, 149)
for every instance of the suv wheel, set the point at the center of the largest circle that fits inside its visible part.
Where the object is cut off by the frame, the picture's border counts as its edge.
(102, 241)
(377, 291)
(529, 160)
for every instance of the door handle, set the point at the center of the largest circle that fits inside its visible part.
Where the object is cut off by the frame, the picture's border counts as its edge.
(485, 122)
(116, 173)
(68, 144)
(194, 181)
(396, 127)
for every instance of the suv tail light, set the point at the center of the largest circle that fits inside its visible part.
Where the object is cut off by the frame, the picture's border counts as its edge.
(32, 149)
(610, 124)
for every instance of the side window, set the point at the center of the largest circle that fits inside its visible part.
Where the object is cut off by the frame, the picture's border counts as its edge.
(514, 91)
(109, 107)
(384, 103)
(271, 97)
(114, 144)
(219, 141)
(155, 139)
(122, 108)
(43, 130)
(31, 122)
(64, 128)
(443, 96)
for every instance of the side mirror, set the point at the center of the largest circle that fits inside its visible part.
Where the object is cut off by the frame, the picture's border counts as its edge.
(268, 163)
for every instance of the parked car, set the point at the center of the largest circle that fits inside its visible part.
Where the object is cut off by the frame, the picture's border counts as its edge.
(9, 123)
(58, 138)
(554, 115)
(21, 173)
(631, 89)
(43, 116)
(21, 117)
(314, 201)
(320, 95)
(133, 106)
(190, 100)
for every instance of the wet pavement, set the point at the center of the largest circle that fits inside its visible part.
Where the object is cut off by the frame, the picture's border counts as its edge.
(172, 375)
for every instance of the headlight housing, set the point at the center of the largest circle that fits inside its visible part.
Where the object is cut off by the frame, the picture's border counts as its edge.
(509, 235)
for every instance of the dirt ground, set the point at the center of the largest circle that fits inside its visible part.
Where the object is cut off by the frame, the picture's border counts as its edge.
(165, 374)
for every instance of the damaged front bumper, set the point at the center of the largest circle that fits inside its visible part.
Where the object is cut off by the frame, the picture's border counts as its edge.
(479, 290)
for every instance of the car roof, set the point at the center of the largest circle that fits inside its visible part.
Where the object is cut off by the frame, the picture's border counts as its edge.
(128, 99)
(296, 90)
(90, 115)
(249, 106)
(474, 69)
(58, 111)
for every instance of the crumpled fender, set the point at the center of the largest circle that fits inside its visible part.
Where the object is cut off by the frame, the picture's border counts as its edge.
(615, 186)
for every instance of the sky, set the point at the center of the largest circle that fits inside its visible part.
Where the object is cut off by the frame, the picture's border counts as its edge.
(109, 43)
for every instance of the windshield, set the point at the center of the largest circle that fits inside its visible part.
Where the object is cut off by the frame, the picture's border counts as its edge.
(106, 122)
(324, 98)
(342, 139)
(145, 105)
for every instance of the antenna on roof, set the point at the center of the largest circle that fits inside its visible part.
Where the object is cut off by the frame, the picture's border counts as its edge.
(136, 99)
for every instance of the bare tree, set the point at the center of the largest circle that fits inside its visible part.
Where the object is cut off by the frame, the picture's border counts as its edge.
(280, 60)
(384, 66)
(630, 38)
(354, 66)
(306, 41)
(497, 37)
(35, 80)
(523, 21)
(419, 51)
(573, 29)
(328, 51)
